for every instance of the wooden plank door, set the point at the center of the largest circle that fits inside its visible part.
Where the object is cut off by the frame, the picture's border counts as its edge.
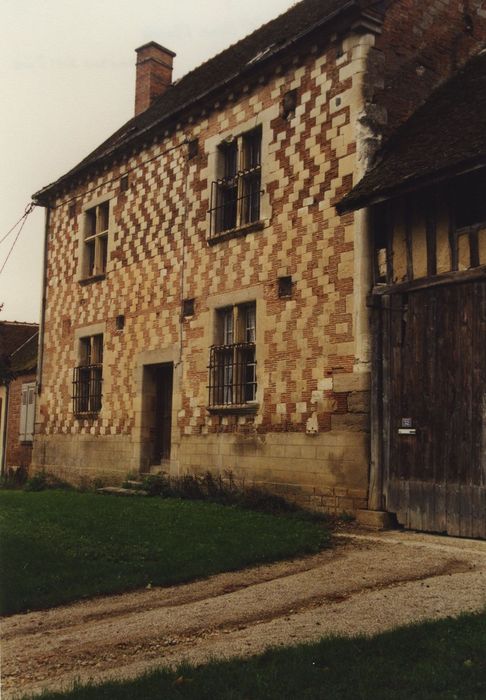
(436, 474)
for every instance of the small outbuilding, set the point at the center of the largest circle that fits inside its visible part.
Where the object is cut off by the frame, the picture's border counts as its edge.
(427, 199)
(18, 365)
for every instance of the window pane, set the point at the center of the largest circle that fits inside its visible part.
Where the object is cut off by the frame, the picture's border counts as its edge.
(103, 214)
(228, 378)
(227, 326)
(250, 197)
(97, 349)
(250, 334)
(252, 149)
(250, 375)
(90, 258)
(227, 205)
(230, 159)
(85, 353)
(90, 222)
(103, 253)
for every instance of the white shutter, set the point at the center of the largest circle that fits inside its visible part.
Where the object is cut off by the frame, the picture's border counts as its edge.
(27, 412)
(29, 421)
(23, 411)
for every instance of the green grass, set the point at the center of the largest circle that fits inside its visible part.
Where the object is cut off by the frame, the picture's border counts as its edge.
(438, 660)
(59, 546)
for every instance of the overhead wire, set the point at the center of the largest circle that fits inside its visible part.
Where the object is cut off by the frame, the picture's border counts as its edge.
(28, 210)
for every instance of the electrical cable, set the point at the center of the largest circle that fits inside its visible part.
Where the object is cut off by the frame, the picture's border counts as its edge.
(27, 211)
(24, 218)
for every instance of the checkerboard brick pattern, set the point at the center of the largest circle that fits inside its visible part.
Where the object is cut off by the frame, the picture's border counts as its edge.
(309, 436)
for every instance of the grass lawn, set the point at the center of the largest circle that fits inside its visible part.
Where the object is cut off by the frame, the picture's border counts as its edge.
(442, 660)
(59, 546)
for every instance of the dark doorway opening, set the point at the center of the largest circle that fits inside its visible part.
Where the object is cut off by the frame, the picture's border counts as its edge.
(163, 381)
(156, 414)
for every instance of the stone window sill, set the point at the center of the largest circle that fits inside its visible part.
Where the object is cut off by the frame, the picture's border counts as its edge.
(239, 409)
(91, 280)
(236, 232)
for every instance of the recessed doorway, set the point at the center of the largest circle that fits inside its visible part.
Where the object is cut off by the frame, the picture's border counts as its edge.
(157, 414)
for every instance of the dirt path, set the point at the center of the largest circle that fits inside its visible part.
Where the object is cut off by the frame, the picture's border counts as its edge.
(368, 583)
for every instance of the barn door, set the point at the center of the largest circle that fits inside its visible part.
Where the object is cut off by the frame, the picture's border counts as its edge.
(436, 409)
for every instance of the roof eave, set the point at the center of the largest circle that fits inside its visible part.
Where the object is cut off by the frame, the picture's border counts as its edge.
(349, 203)
(372, 21)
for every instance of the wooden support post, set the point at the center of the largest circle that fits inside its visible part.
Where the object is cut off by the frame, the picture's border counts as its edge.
(431, 232)
(385, 389)
(390, 225)
(375, 493)
(474, 246)
(452, 234)
(408, 236)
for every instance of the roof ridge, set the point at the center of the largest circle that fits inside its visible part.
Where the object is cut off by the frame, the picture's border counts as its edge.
(291, 25)
(231, 46)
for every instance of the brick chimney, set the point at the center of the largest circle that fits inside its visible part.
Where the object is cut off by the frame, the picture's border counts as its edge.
(154, 74)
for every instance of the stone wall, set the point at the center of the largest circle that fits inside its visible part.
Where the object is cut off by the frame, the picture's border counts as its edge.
(309, 435)
(421, 45)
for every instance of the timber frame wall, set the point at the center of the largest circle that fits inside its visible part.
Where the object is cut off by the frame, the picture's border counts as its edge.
(428, 318)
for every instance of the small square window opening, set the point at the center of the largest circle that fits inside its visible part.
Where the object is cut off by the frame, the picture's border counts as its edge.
(285, 287)
(193, 149)
(188, 307)
(288, 104)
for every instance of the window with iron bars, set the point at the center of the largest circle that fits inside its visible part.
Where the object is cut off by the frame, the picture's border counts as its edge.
(236, 195)
(95, 252)
(232, 362)
(88, 376)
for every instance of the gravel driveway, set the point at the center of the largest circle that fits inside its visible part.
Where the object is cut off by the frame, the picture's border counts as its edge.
(366, 584)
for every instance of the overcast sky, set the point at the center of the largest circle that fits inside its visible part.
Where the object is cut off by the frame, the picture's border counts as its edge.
(67, 82)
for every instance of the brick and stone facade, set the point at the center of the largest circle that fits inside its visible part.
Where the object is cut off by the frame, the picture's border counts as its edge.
(307, 434)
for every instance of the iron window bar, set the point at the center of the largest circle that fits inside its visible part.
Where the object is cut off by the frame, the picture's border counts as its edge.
(87, 388)
(232, 375)
(235, 201)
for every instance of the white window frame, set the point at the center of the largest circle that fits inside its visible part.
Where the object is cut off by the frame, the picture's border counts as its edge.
(81, 337)
(235, 335)
(212, 147)
(95, 238)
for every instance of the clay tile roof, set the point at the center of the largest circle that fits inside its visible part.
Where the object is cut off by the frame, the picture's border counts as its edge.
(13, 334)
(24, 359)
(240, 58)
(446, 136)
